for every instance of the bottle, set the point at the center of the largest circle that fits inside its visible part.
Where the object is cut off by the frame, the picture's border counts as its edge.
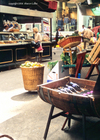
(62, 89)
(71, 88)
(79, 75)
(68, 90)
(74, 85)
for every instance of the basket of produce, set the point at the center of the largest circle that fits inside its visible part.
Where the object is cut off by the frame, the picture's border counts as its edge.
(32, 73)
(71, 41)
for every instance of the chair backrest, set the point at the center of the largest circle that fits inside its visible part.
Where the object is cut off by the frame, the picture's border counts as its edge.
(94, 52)
(79, 62)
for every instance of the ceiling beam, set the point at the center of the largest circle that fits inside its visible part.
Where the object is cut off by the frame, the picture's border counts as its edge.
(24, 12)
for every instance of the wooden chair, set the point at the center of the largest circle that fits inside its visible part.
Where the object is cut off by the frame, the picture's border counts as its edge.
(79, 62)
(93, 59)
(95, 64)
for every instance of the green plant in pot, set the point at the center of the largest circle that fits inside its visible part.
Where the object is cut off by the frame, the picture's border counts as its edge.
(66, 58)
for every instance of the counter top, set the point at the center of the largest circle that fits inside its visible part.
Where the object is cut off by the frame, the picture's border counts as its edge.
(14, 44)
(23, 43)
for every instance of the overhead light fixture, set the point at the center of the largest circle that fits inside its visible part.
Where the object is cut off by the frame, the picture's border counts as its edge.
(89, 2)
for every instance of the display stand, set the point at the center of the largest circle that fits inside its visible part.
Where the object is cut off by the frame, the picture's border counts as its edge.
(68, 43)
(79, 64)
(75, 104)
(69, 117)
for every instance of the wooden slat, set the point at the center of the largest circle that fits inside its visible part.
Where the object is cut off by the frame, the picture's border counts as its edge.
(94, 52)
(71, 60)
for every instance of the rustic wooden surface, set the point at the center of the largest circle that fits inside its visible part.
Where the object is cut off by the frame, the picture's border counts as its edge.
(72, 103)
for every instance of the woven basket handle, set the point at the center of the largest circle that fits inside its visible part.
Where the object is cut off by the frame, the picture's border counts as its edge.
(7, 136)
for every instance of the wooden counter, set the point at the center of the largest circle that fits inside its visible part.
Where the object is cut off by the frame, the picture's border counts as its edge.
(13, 54)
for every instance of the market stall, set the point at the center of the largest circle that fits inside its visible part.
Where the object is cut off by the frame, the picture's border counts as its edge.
(15, 51)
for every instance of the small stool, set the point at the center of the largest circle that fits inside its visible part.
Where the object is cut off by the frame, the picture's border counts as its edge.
(85, 40)
(39, 56)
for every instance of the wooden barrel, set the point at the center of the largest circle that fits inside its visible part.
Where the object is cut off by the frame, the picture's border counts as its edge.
(32, 77)
(73, 103)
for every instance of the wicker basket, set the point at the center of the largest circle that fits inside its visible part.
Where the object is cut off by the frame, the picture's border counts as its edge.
(6, 136)
(71, 41)
(32, 77)
(72, 71)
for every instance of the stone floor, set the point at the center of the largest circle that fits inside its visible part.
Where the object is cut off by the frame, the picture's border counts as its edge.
(23, 115)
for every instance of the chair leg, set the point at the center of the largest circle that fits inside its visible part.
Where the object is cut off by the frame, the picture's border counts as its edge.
(69, 121)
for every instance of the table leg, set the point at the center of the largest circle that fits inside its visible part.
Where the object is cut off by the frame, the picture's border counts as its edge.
(90, 72)
(48, 122)
(96, 65)
(64, 124)
(84, 126)
(69, 121)
(71, 57)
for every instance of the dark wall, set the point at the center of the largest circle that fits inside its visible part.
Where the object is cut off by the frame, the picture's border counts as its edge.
(40, 5)
(1, 22)
(4, 2)
(95, 1)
